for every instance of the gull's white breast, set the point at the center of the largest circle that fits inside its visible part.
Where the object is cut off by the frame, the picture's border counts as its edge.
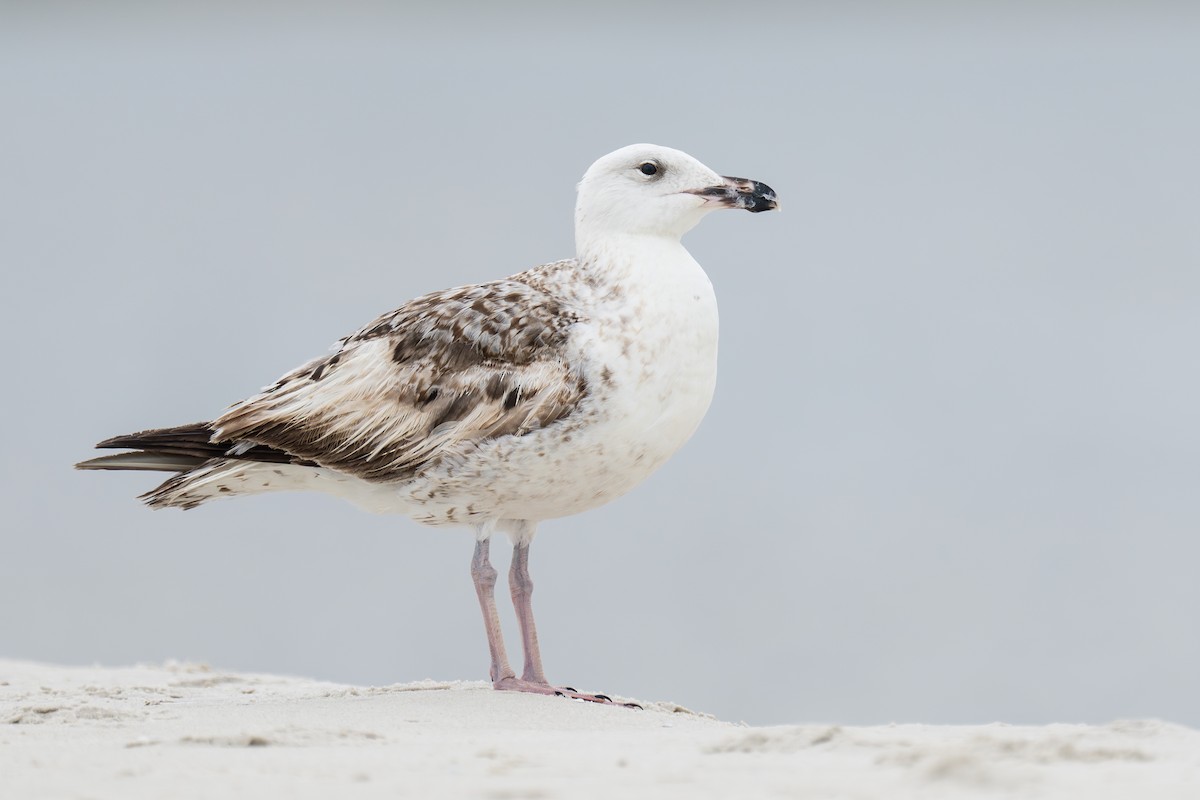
(648, 351)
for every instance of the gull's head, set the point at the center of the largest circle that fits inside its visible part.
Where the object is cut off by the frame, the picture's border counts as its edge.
(646, 189)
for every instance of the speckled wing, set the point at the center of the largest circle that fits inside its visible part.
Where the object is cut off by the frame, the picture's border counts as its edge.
(434, 378)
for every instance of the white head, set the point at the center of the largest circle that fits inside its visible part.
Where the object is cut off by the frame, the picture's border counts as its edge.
(648, 190)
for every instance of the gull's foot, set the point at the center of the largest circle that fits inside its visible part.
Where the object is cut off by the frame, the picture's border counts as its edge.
(520, 685)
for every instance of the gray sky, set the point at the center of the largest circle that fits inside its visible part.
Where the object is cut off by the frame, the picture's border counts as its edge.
(951, 472)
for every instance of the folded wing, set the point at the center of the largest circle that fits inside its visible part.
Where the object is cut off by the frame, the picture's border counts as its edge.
(435, 377)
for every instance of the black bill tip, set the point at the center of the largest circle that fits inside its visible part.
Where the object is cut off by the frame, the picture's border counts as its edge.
(753, 196)
(759, 197)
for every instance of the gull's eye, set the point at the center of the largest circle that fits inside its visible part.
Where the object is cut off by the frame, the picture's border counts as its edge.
(649, 168)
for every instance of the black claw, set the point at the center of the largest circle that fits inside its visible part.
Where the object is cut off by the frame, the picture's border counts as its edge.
(633, 705)
(571, 689)
(604, 697)
(558, 693)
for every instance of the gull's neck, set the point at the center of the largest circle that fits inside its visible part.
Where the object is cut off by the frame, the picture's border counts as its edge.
(624, 256)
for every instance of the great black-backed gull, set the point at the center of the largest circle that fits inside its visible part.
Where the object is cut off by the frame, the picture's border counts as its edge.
(499, 405)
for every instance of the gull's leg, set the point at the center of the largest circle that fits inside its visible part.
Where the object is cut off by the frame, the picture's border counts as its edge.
(521, 586)
(484, 575)
(533, 679)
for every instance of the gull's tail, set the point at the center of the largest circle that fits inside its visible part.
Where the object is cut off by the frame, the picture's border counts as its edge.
(163, 449)
(205, 468)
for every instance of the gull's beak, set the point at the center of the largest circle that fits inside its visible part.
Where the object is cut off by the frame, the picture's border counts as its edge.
(739, 193)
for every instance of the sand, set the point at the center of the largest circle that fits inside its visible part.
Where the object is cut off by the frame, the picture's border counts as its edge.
(188, 730)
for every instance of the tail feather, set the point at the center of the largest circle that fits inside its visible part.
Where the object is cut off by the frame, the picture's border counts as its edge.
(203, 466)
(143, 460)
(189, 489)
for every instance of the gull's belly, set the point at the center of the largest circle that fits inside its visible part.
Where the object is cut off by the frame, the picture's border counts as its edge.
(630, 431)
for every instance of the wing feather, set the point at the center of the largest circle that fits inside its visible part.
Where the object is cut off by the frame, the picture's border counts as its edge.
(437, 376)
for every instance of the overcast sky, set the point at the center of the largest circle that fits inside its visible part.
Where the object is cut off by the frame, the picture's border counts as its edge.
(952, 470)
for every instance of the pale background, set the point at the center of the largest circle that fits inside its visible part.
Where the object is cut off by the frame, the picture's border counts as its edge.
(952, 471)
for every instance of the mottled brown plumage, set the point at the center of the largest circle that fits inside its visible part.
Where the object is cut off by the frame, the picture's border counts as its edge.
(462, 366)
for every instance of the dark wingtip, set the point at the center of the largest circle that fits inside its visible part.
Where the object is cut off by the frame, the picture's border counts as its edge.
(193, 433)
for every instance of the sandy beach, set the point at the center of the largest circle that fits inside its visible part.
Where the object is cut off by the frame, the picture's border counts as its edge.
(190, 730)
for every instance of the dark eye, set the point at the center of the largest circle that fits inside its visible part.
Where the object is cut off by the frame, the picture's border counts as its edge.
(649, 168)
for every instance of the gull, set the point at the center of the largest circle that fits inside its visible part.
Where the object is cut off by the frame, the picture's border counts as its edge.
(498, 405)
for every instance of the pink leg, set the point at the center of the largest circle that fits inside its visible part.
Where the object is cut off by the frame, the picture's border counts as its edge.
(521, 587)
(533, 679)
(484, 575)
